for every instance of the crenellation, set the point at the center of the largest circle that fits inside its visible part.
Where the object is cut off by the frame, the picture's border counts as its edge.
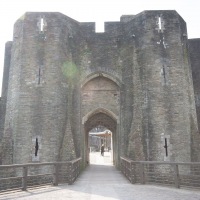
(113, 27)
(88, 27)
(126, 18)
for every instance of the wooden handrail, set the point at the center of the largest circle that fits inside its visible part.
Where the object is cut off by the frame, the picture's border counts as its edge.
(73, 171)
(147, 171)
(36, 164)
(159, 162)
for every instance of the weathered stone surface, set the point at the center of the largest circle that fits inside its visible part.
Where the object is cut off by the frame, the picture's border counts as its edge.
(135, 79)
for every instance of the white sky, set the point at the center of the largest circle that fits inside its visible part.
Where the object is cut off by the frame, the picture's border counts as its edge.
(93, 11)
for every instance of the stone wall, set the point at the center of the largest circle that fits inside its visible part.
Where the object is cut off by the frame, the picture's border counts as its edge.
(3, 99)
(63, 76)
(194, 49)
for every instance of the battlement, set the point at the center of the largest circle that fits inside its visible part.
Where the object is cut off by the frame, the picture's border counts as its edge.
(59, 20)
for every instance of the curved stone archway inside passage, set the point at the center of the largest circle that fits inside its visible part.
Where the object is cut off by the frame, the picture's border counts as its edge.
(101, 118)
(105, 119)
(100, 110)
(101, 74)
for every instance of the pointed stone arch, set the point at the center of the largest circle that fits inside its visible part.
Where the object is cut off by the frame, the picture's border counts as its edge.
(100, 110)
(103, 74)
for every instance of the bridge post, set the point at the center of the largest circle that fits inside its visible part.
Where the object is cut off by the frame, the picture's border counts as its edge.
(142, 177)
(70, 172)
(55, 174)
(24, 178)
(133, 175)
(176, 176)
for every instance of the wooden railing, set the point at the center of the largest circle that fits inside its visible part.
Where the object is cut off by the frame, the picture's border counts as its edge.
(33, 174)
(177, 174)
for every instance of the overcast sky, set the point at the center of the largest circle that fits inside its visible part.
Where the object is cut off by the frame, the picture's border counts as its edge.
(94, 11)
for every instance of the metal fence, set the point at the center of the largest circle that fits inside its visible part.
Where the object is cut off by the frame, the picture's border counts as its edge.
(22, 176)
(175, 174)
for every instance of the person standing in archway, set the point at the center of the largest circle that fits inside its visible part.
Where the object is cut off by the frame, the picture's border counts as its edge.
(102, 149)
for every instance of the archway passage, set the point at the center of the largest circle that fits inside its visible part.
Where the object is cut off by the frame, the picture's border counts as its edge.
(100, 97)
(100, 119)
(104, 120)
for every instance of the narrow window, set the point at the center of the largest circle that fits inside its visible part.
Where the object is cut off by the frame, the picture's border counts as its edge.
(42, 24)
(166, 147)
(159, 23)
(36, 147)
(39, 74)
(164, 73)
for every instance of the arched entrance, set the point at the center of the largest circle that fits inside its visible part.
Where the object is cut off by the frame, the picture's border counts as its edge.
(100, 118)
(100, 106)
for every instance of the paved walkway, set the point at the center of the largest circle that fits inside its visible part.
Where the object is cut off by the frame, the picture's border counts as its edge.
(101, 181)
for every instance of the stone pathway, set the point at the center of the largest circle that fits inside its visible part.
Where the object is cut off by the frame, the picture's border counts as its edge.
(101, 181)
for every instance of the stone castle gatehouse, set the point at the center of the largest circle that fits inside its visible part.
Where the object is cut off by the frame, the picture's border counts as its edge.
(62, 79)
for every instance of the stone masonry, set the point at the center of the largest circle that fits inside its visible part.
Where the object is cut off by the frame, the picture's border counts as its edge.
(62, 79)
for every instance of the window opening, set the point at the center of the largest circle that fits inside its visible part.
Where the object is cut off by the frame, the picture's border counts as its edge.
(159, 23)
(42, 24)
(36, 147)
(39, 74)
(164, 73)
(166, 147)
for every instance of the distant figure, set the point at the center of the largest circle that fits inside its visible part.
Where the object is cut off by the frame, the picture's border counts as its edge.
(102, 149)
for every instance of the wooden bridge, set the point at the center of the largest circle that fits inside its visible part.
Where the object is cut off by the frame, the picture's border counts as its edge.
(100, 180)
